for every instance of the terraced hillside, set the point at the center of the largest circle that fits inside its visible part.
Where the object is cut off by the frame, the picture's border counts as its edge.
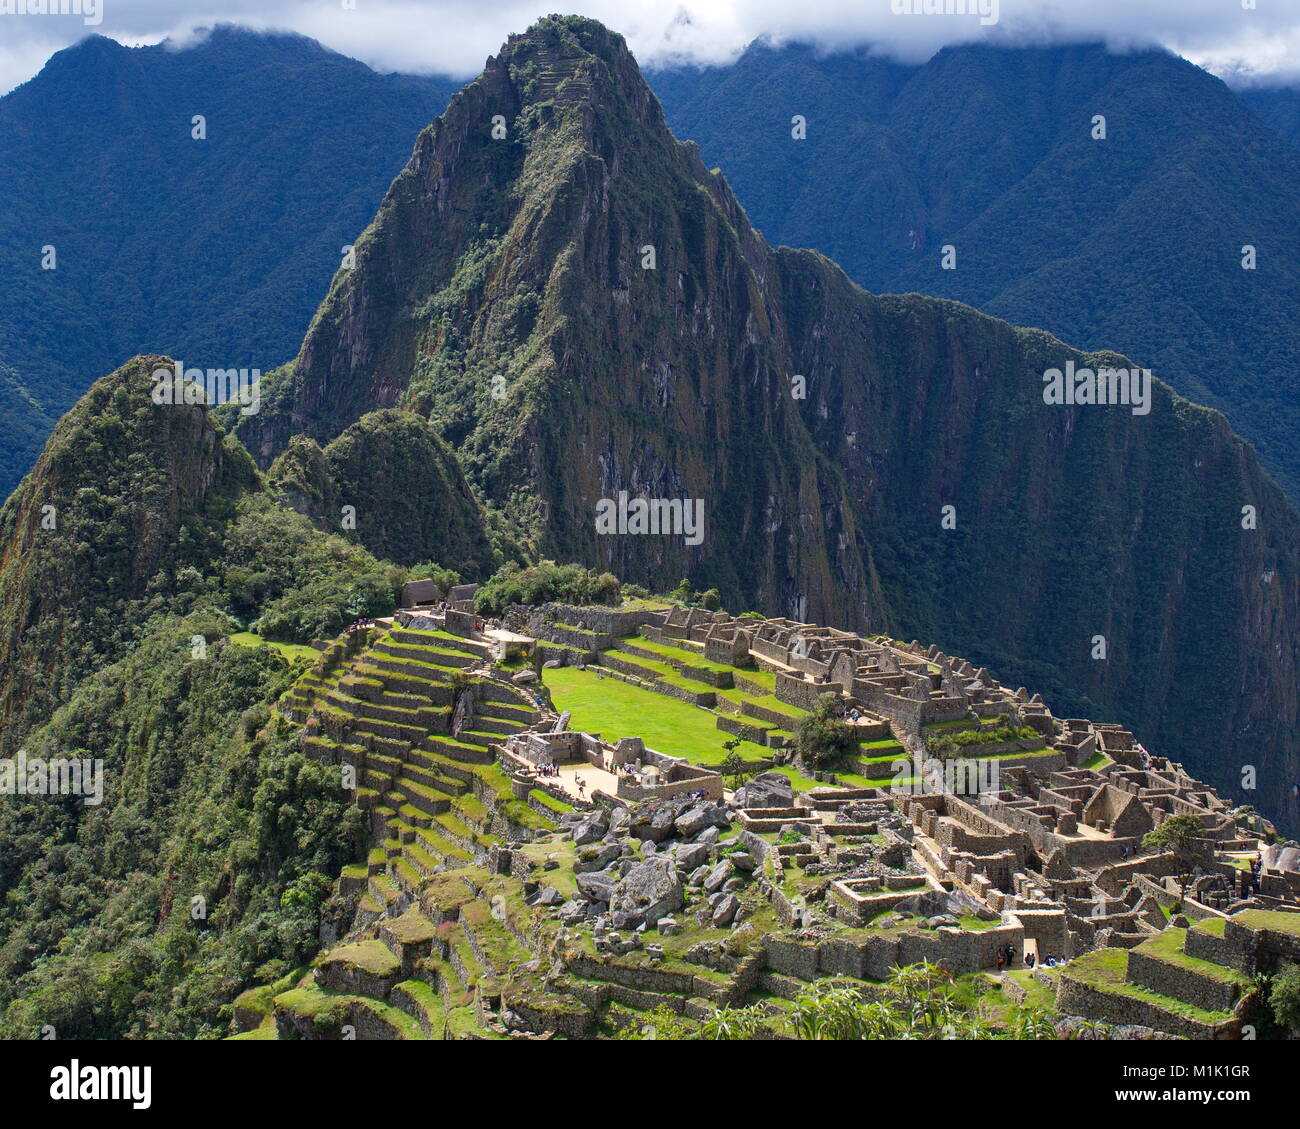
(401, 712)
(1186, 981)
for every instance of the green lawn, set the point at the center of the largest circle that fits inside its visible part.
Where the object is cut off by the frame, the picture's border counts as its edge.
(290, 651)
(614, 710)
(694, 658)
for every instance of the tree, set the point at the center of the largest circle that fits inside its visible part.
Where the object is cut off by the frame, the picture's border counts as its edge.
(1182, 834)
(821, 739)
(733, 764)
(1284, 997)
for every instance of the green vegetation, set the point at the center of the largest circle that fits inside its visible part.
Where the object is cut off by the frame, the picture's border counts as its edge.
(821, 739)
(1284, 997)
(207, 796)
(399, 486)
(222, 268)
(952, 739)
(543, 583)
(291, 651)
(920, 1001)
(1182, 834)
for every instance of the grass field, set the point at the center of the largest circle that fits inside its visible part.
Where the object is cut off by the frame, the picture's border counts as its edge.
(614, 710)
(290, 651)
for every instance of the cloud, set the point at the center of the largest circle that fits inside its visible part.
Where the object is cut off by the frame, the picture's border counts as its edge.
(454, 37)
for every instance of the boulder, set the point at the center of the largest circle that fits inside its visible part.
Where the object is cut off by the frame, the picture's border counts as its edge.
(725, 911)
(698, 817)
(648, 891)
(654, 822)
(688, 856)
(766, 790)
(596, 857)
(597, 886)
(591, 828)
(717, 876)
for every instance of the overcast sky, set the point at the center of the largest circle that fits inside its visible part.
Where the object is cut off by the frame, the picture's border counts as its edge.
(1259, 44)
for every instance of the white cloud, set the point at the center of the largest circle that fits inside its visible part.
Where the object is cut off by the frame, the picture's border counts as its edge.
(455, 36)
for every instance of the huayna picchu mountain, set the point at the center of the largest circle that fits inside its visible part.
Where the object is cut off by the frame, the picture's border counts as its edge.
(582, 309)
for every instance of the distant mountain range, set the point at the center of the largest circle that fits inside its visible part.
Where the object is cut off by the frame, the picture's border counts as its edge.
(215, 251)
(1133, 243)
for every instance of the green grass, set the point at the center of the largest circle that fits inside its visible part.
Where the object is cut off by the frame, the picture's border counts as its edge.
(762, 677)
(1096, 761)
(691, 658)
(961, 723)
(662, 672)
(1269, 919)
(291, 651)
(616, 710)
(1107, 971)
(1168, 947)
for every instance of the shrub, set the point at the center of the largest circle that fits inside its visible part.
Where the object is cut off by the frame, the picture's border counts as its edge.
(821, 739)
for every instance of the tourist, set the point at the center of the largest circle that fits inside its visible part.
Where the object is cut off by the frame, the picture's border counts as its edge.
(1124, 853)
(1002, 959)
(1029, 959)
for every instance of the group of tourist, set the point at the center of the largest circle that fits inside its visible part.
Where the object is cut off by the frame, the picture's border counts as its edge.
(1007, 958)
(1250, 879)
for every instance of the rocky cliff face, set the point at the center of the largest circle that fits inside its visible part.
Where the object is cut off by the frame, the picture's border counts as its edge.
(125, 493)
(583, 309)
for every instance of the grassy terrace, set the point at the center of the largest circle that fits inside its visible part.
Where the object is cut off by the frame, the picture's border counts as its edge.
(1107, 971)
(662, 671)
(1168, 946)
(290, 651)
(1270, 919)
(681, 654)
(615, 710)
